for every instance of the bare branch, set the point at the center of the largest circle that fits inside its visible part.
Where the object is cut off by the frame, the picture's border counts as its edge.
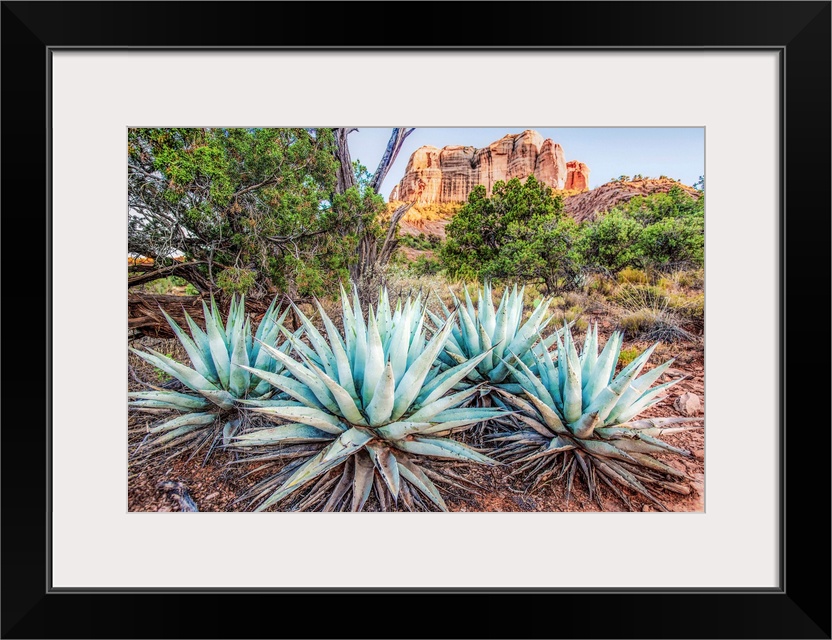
(394, 145)
(391, 241)
(162, 272)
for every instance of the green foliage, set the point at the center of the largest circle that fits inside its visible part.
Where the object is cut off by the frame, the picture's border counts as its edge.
(657, 231)
(233, 280)
(609, 242)
(170, 285)
(425, 266)
(258, 201)
(163, 376)
(520, 232)
(430, 242)
(627, 356)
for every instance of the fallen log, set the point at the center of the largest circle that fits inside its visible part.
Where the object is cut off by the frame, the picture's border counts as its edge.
(145, 317)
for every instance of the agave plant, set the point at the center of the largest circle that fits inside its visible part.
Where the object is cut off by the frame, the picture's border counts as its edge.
(207, 408)
(366, 406)
(580, 417)
(496, 333)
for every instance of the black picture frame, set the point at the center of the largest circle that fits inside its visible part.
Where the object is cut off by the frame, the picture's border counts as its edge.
(798, 608)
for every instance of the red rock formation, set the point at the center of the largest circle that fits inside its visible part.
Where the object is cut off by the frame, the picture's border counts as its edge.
(577, 176)
(423, 178)
(449, 174)
(587, 205)
(551, 166)
(580, 206)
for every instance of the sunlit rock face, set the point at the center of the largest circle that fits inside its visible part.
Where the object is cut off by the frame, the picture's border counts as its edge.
(577, 176)
(449, 174)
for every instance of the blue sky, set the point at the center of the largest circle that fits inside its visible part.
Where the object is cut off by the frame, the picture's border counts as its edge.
(609, 152)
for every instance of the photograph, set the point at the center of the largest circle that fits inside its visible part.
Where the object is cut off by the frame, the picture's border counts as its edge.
(417, 319)
(485, 328)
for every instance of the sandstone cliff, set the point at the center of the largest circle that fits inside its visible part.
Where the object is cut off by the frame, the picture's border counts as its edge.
(585, 206)
(577, 176)
(449, 174)
(432, 219)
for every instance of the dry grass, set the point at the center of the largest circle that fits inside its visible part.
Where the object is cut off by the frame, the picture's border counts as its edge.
(629, 275)
(645, 313)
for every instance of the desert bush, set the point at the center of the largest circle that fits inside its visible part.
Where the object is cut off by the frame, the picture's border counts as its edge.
(690, 307)
(601, 284)
(639, 296)
(654, 324)
(684, 278)
(519, 233)
(627, 356)
(646, 313)
(572, 316)
(663, 231)
(233, 280)
(610, 241)
(429, 242)
(575, 299)
(629, 275)
(425, 266)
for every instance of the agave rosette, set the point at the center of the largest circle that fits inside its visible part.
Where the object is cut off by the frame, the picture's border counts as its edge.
(216, 380)
(366, 406)
(494, 333)
(580, 417)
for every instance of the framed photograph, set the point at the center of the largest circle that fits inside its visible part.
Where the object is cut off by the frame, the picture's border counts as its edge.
(85, 80)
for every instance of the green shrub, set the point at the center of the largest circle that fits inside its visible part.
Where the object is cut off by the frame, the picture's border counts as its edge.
(656, 324)
(648, 312)
(233, 280)
(691, 308)
(632, 276)
(610, 241)
(425, 266)
(692, 279)
(519, 233)
(627, 356)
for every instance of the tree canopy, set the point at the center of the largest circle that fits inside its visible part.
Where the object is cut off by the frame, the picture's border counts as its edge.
(253, 210)
(242, 206)
(521, 232)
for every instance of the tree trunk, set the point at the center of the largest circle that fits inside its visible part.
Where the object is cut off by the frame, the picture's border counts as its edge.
(345, 175)
(145, 317)
(187, 271)
(370, 261)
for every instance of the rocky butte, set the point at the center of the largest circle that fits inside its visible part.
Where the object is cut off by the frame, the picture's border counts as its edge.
(449, 174)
